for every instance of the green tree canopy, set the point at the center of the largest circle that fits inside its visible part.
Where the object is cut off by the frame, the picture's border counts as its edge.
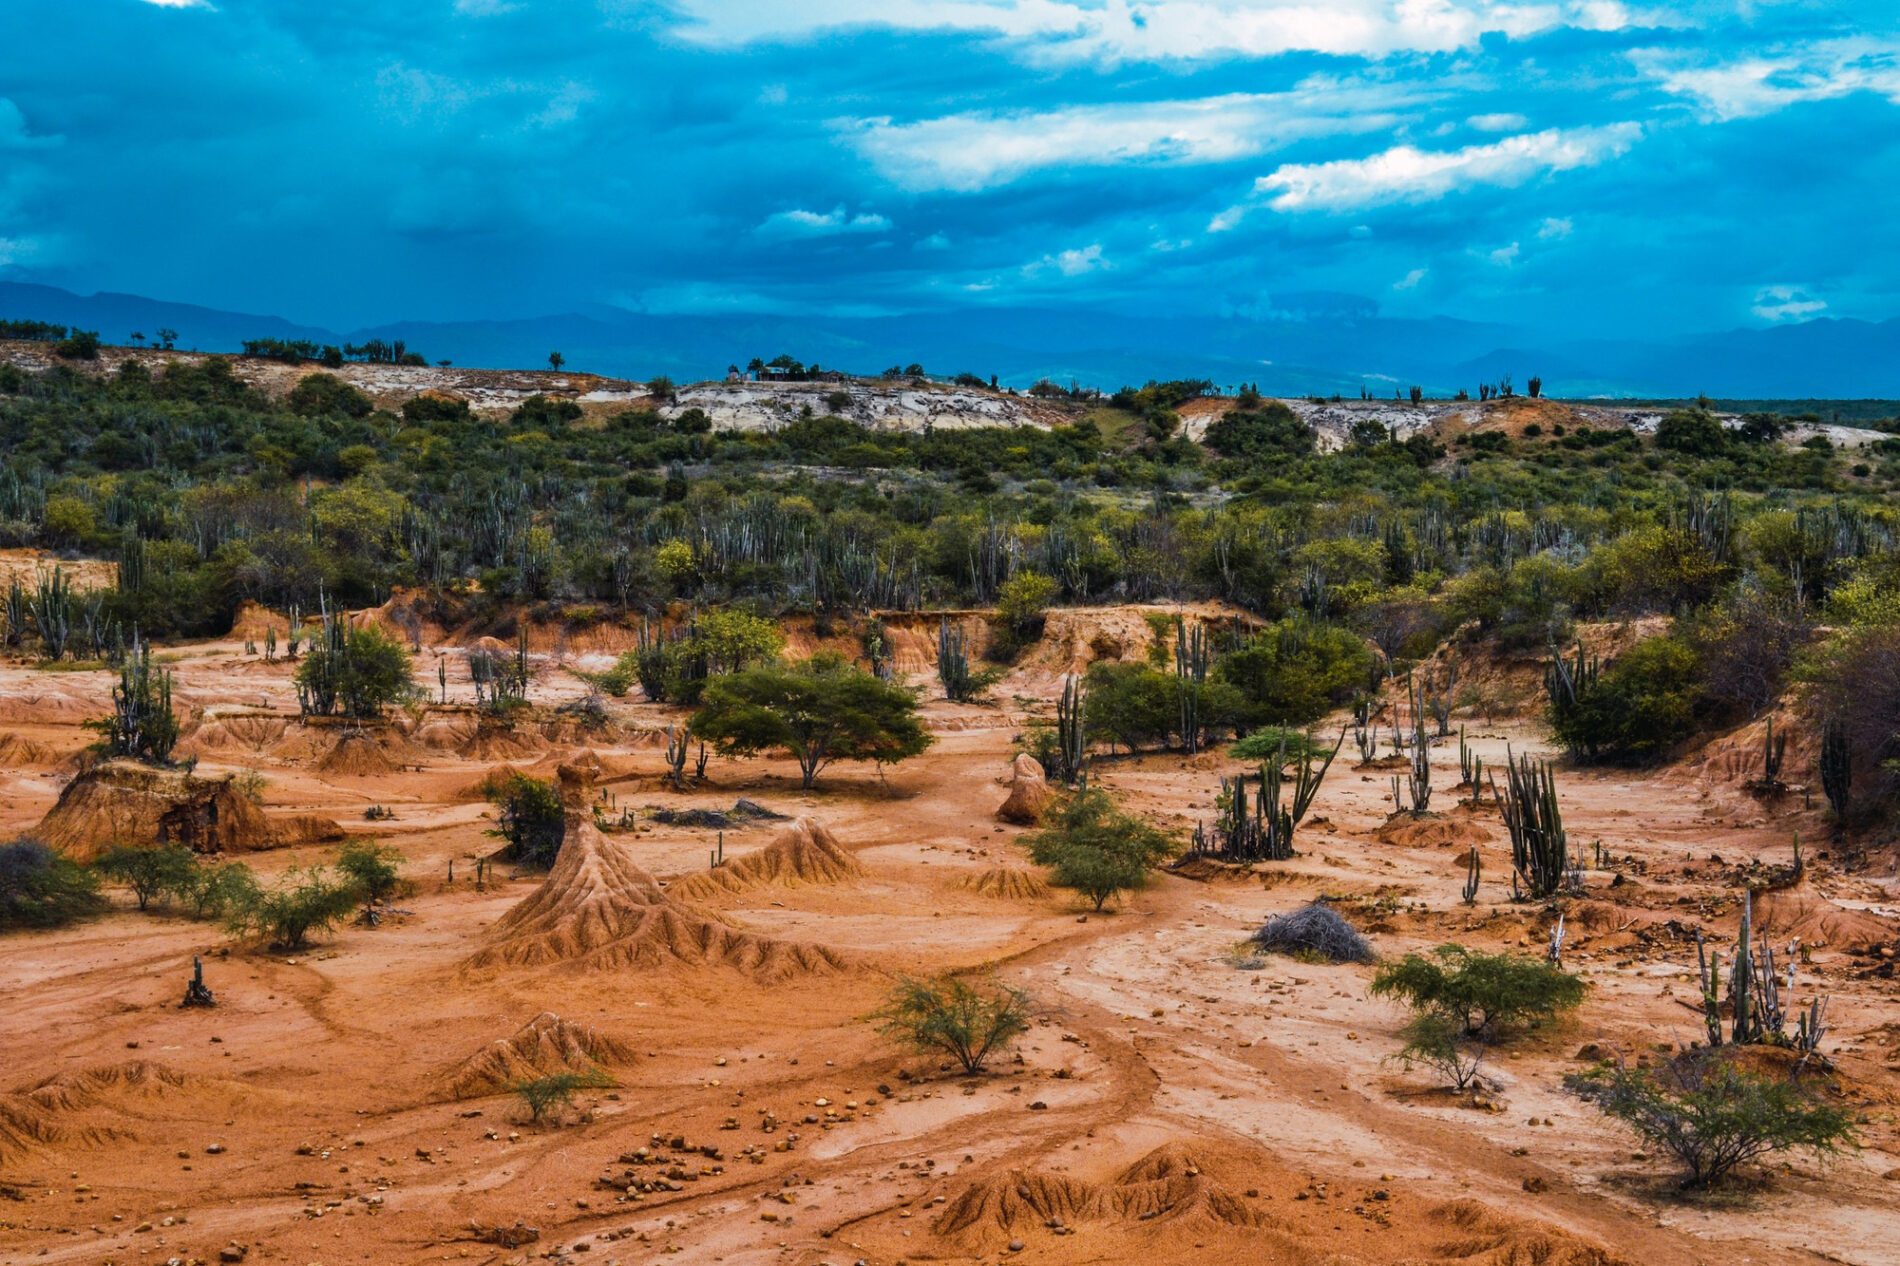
(823, 710)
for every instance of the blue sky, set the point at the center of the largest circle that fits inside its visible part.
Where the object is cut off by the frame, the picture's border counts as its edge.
(1578, 168)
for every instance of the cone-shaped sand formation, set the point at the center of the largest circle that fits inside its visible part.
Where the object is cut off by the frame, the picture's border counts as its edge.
(1007, 882)
(599, 909)
(544, 1046)
(804, 854)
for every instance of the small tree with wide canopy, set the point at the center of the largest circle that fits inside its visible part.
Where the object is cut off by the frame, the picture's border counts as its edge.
(822, 710)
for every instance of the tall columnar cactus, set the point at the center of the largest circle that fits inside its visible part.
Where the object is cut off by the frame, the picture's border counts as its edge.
(1757, 997)
(53, 613)
(1837, 767)
(1539, 849)
(1071, 752)
(1191, 661)
(1472, 872)
(1259, 826)
(16, 608)
(953, 662)
(142, 725)
(1418, 779)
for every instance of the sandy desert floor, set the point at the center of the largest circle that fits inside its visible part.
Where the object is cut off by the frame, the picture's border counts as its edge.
(344, 1104)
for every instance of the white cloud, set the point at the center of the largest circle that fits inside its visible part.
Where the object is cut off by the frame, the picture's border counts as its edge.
(935, 242)
(1070, 263)
(802, 223)
(1505, 256)
(1406, 174)
(1554, 229)
(1497, 122)
(481, 8)
(1786, 303)
(1410, 280)
(1765, 83)
(179, 4)
(1117, 31)
(968, 152)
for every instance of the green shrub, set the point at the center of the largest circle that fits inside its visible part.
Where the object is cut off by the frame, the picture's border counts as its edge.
(150, 872)
(216, 892)
(552, 1094)
(1435, 1041)
(1638, 708)
(353, 671)
(1132, 705)
(302, 902)
(947, 1016)
(530, 817)
(1272, 742)
(1095, 848)
(1487, 996)
(325, 395)
(373, 869)
(1715, 1116)
(1294, 674)
(40, 888)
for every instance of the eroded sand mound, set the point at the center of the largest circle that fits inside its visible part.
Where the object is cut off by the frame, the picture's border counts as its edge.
(1804, 915)
(359, 756)
(545, 1045)
(804, 854)
(1008, 883)
(1479, 1235)
(240, 733)
(89, 1106)
(1029, 793)
(1168, 1184)
(126, 802)
(499, 742)
(17, 752)
(1431, 831)
(599, 909)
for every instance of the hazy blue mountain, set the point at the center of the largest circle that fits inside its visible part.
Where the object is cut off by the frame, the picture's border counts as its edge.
(1325, 347)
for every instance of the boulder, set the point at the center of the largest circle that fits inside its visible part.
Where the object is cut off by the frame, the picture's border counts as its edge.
(1029, 793)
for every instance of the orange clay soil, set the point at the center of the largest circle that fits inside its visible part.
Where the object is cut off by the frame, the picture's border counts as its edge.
(348, 1103)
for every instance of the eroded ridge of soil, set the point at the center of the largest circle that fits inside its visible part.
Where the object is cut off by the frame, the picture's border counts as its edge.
(349, 1103)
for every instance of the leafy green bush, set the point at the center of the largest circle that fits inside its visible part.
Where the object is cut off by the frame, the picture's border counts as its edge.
(530, 817)
(1638, 708)
(150, 872)
(947, 1016)
(216, 892)
(1295, 673)
(374, 870)
(40, 888)
(302, 902)
(1715, 1116)
(1273, 742)
(1132, 705)
(1095, 848)
(1486, 995)
(353, 671)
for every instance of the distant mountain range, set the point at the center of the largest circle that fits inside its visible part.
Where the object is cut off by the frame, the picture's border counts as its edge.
(1318, 353)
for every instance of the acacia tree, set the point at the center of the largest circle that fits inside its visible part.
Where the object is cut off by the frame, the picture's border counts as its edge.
(822, 710)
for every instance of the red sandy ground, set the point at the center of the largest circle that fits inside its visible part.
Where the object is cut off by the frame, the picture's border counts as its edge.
(1252, 1115)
